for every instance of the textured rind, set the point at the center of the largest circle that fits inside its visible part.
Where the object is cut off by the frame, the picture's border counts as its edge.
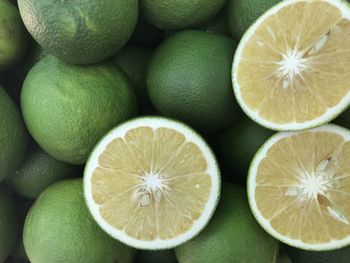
(37, 172)
(59, 229)
(13, 35)
(13, 136)
(80, 32)
(243, 13)
(189, 79)
(68, 108)
(180, 14)
(232, 235)
(9, 224)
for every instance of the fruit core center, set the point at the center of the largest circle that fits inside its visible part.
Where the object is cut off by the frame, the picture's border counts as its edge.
(316, 187)
(292, 64)
(296, 60)
(152, 189)
(153, 181)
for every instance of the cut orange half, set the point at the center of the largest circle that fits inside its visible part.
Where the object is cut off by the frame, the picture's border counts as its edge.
(152, 183)
(291, 70)
(299, 187)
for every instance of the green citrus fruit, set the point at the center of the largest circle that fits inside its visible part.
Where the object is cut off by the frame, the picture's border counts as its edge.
(9, 224)
(68, 108)
(37, 172)
(59, 229)
(232, 235)
(333, 256)
(180, 14)
(243, 13)
(239, 143)
(13, 36)
(134, 61)
(218, 24)
(80, 32)
(161, 256)
(189, 79)
(13, 136)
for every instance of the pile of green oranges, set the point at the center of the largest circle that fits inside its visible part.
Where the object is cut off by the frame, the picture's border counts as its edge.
(189, 131)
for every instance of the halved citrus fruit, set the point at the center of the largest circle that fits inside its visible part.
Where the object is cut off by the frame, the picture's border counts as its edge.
(291, 69)
(299, 187)
(152, 183)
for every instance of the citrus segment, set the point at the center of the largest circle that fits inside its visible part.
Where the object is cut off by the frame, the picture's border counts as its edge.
(299, 187)
(298, 54)
(152, 183)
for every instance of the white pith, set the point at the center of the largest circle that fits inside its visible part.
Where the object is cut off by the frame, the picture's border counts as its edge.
(311, 186)
(153, 187)
(316, 185)
(292, 64)
(153, 184)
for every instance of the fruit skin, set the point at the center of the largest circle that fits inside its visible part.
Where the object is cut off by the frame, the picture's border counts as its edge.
(217, 25)
(68, 108)
(37, 172)
(239, 143)
(59, 229)
(161, 256)
(180, 14)
(189, 79)
(13, 36)
(134, 61)
(243, 13)
(233, 235)
(9, 224)
(13, 136)
(333, 256)
(80, 32)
